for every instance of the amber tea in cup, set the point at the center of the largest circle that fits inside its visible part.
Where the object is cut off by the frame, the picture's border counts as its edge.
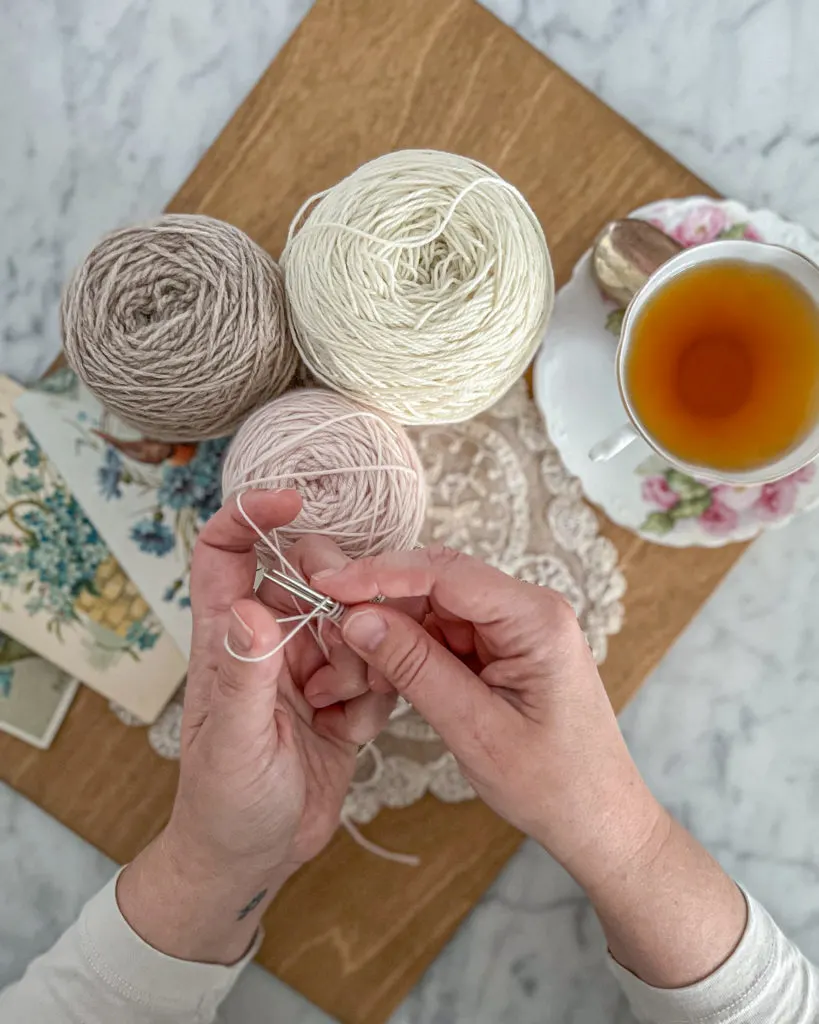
(722, 368)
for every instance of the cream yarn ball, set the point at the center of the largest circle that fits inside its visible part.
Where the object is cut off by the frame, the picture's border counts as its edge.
(178, 327)
(421, 285)
(359, 476)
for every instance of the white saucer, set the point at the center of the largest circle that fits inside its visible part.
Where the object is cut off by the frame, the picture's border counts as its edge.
(575, 388)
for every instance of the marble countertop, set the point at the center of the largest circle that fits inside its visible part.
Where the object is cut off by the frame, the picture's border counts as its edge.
(106, 105)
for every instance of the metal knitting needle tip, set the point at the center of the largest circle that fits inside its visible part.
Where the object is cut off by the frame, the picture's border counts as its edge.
(334, 610)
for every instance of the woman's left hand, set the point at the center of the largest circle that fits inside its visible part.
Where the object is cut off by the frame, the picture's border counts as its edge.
(263, 771)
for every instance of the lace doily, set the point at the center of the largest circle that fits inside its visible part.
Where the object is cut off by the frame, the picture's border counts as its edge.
(498, 490)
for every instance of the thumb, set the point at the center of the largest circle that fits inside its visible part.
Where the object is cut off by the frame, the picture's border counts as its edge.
(246, 684)
(455, 702)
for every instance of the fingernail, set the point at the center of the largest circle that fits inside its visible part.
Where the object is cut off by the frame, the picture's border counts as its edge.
(365, 630)
(325, 574)
(240, 635)
(321, 700)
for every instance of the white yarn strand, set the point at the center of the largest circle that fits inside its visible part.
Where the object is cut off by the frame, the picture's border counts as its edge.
(305, 620)
(409, 859)
(319, 613)
(420, 285)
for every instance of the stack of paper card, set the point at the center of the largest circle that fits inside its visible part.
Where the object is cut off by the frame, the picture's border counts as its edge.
(148, 499)
(34, 694)
(65, 597)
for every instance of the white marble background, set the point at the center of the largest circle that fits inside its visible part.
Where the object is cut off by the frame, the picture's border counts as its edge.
(106, 105)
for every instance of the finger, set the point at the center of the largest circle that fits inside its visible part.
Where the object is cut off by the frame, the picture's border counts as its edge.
(223, 568)
(465, 586)
(245, 685)
(356, 721)
(378, 684)
(308, 556)
(343, 679)
(450, 697)
(459, 635)
(434, 630)
(318, 554)
(513, 617)
(346, 676)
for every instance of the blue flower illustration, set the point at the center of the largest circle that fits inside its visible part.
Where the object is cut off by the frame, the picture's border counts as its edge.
(176, 592)
(197, 484)
(141, 635)
(61, 549)
(53, 554)
(109, 474)
(6, 676)
(19, 485)
(31, 456)
(177, 488)
(153, 537)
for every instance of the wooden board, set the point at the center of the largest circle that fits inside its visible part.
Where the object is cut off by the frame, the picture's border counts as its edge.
(361, 77)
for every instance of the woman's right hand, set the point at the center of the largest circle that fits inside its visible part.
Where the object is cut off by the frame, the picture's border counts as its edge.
(501, 669)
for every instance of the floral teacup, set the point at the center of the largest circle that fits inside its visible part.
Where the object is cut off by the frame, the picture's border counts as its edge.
(575, 387)
(754, 253)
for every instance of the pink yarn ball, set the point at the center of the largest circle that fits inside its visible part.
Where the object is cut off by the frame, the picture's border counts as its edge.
(359, 476)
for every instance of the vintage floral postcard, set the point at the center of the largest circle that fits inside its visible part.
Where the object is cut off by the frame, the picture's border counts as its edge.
(147, 498)
(62, 592)
(34, 694)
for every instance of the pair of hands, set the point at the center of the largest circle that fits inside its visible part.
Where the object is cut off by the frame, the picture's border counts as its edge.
(499, 667)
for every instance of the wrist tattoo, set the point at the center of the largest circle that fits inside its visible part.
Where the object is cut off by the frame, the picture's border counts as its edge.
(250, 907)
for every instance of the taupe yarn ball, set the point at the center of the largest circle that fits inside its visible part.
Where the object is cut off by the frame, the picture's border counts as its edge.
(178, 327)
(421, 284)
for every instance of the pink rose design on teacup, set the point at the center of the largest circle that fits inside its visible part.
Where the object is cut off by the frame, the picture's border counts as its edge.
(703, 224)
(706, 223)
(740, 499)
(657, 492)
(777, 499)
(719, 519)
(751, 234)
(805, 475)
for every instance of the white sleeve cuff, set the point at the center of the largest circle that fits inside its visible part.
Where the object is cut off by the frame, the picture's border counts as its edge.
(765, 979)
(143, 975)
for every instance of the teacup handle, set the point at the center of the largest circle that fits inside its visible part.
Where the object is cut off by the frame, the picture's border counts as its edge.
(613, 444)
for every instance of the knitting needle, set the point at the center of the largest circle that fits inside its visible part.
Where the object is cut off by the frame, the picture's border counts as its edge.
(301, 590)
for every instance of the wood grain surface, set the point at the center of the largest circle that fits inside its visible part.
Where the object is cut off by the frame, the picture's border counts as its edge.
(360, 77)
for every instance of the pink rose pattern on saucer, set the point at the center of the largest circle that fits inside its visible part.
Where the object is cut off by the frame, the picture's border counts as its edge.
(673, 497)
(718, 509)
